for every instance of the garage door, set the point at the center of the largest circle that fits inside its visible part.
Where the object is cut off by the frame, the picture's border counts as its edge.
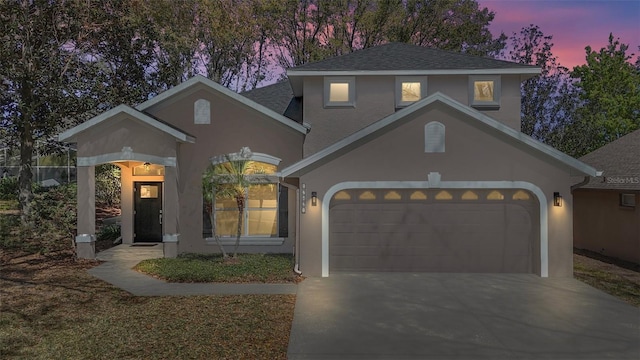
(424, 230)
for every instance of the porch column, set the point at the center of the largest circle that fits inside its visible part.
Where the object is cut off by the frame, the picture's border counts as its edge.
(86, 238)
(170, 212)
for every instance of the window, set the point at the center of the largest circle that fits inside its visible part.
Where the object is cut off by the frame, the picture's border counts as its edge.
(339, 91)
(265, 209)
(628, 200)
(484, 92)
(147, 169)
(410, 89)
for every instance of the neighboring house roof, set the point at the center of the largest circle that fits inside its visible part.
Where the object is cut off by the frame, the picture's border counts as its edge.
(406, 59)
(200, 81)
(620, 162)
(382, 126)
(180, 135)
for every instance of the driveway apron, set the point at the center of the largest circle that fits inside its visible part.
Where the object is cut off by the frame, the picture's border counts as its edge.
(459, 316)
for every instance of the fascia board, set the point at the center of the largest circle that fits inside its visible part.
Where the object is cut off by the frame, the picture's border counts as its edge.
(124, 109)
(506, 71)
(199, 79)
(509, 132)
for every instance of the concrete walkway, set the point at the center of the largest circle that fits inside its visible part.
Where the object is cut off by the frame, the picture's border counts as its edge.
(120, 260)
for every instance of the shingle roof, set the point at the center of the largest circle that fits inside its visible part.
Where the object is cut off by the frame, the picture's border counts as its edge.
(275, 97)
(401, 56)
(620, 162)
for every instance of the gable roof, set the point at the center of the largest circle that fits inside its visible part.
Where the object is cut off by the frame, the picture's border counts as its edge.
(620, 161)
(380, 127)
(396, 57)
(178, 134)
(200, 81)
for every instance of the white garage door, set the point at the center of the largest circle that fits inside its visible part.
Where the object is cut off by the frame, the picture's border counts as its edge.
(428, 230)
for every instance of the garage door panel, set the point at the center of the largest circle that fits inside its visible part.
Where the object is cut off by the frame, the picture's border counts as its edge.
(431, 235)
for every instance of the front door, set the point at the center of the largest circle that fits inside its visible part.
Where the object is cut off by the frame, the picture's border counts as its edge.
(148, 212)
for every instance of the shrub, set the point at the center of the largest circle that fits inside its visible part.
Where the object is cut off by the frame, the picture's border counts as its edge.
(109, 232)
(54, 218)
(107, 184)
(9, 188)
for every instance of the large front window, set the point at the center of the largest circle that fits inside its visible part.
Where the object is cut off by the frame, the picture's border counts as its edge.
(260, 217)
(245, 192)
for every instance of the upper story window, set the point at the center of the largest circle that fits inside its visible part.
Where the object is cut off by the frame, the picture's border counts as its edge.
(410, 89)
(484, 91)
(340, 91)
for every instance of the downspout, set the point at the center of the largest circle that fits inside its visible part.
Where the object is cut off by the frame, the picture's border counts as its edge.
(585, 181)
(296, 246)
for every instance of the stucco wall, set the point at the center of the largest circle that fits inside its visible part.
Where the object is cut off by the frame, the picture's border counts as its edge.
(112, 135)
(375, 99)
(232, 127)
(601, 225)
(473, 153)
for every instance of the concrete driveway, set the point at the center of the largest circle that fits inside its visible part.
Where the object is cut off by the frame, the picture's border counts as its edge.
(459, 316)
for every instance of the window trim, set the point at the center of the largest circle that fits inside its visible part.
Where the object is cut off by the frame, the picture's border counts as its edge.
(497, 92)
(403, 79)
(350, 80)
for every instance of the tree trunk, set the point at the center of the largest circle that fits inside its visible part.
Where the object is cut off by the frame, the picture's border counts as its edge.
(214, 232)
(25, 178)
(240, 202)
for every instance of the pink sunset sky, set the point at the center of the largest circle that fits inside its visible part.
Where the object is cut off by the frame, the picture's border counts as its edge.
(574, 24)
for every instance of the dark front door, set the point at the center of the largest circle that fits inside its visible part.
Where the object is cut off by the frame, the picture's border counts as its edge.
(148, 212)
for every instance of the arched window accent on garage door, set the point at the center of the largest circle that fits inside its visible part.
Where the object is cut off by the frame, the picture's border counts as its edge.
(444, 195)
(495, 195)
(392, 195)
(469, 195)
(342, 195)
(434, 136)
(521, 195)
(367, 195)
(418, 195)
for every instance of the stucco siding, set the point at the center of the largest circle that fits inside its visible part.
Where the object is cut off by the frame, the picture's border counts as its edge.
(232, 127)
(473, 153)
(375, 99)
(124, 131)
(603, 226)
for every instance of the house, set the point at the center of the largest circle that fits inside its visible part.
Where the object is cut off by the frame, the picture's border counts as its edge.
(606, 216)
(393, 158)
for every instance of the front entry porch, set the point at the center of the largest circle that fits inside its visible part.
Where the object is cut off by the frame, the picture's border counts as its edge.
(145, 189)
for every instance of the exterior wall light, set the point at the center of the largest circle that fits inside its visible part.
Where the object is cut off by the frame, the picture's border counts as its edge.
(557, 199)
(147, 165)
(314, 198)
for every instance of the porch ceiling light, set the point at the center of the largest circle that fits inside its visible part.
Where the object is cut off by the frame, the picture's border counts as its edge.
(557, 199)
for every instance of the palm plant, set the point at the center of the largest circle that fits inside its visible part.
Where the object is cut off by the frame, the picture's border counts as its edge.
(230, 179)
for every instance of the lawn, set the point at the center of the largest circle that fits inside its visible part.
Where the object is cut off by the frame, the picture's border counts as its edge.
(247, 268)
(51, 308)
(605, 275)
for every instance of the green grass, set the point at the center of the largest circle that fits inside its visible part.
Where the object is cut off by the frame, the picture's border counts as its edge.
(249, 268)
(9, 205)
(609, 279)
